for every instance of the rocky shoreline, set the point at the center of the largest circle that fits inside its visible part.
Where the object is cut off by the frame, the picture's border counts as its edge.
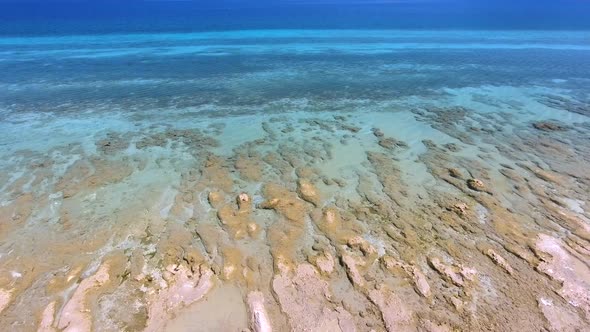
(150, 227)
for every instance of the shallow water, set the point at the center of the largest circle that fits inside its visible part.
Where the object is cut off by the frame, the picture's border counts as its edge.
(295, 180)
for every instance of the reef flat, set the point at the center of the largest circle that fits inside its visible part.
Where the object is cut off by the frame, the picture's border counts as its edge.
(318, 191)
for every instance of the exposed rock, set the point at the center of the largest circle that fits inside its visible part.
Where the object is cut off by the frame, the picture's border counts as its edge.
(324, 262)
(368, 251)
(560, 317)
(395, 315)
(238, 224)
(259, 320)
(308, 192)
(460, 209)
(420, 282)
(563, 266)
(352, 265)
(499, 260)
(5, 298)
(304, 298)
(184, 288)
(244, 202)
(429, 326)
(284, 235)
(285, 202)
(458, 275)
(75, 315)
(215, 199)
(476, 184)
(47, 318)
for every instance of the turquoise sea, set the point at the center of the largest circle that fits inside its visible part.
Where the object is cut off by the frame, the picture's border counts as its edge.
(323, 177)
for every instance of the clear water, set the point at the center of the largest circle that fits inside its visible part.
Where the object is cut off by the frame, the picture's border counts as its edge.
(116, 139)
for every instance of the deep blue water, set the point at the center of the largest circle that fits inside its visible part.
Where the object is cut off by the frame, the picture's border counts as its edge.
(93, 17)
(138, 54)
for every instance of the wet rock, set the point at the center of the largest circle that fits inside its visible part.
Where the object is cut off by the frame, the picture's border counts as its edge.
(308, 192)
(249, 167)
(244, 203)
(94, 173)
(476, 184)
(215, 198)
(17, 212)
(429, 144)
(377, 132)
(350, 128)
(460, 209)
(306, 172)
(547, 176)
(113, 143)
(388, 143)
(330, 222)
(285, 202)
(389, 174)
(215, 174)
(62, 281)
(391, 143)
(452, 147)
(340, 182)
(549, 126)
